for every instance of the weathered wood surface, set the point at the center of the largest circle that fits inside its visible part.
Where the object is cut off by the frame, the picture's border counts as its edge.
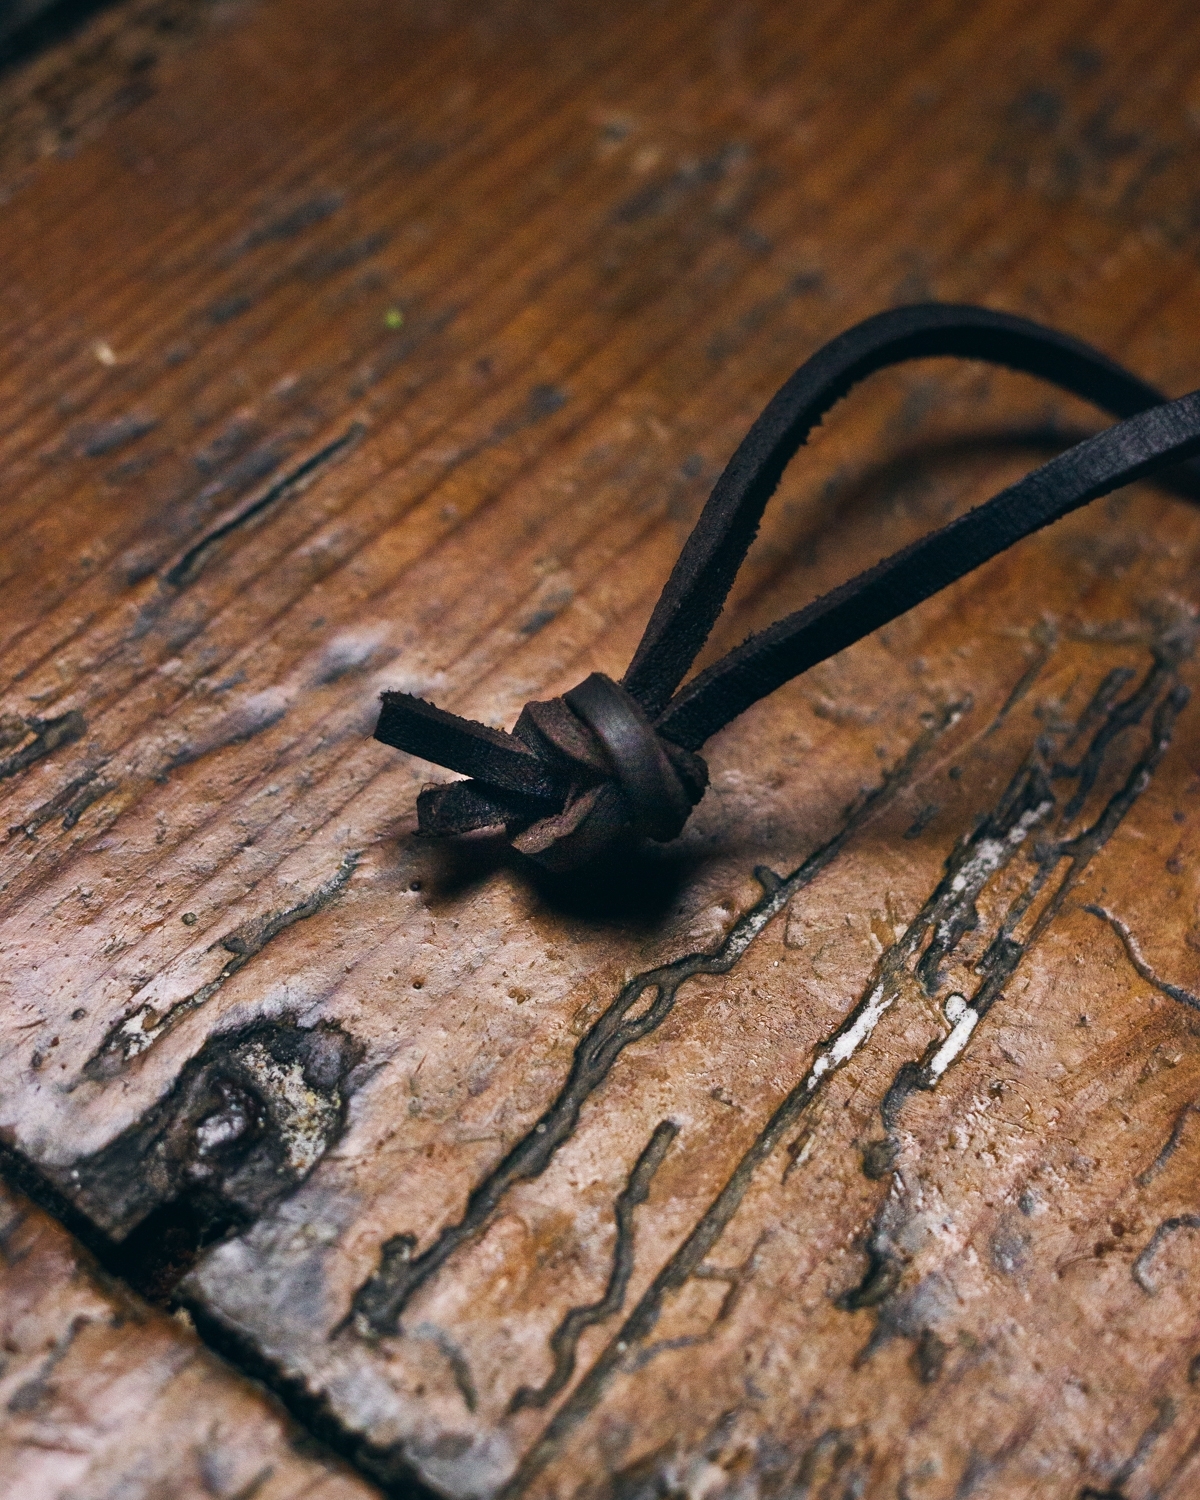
(403, 353)
(102, 1396)
(56, 97)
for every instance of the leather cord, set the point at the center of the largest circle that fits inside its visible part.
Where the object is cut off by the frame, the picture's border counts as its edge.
(608, 761)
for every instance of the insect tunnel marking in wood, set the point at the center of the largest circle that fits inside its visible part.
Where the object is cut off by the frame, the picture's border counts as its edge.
(947, 915)
(381, 1300)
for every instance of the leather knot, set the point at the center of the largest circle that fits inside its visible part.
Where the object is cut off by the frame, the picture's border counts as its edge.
(577, 777)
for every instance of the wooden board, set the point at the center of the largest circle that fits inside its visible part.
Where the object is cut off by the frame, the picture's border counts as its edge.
(403, 354)
(100, 1395)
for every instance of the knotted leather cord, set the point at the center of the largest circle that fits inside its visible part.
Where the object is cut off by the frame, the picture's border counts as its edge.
(607, 760)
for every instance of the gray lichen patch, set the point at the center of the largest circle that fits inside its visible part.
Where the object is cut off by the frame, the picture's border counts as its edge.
(306, 1116)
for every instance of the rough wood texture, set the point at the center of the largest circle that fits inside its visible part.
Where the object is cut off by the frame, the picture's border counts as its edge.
(102, 1396)
(402, 353)
(54, 98)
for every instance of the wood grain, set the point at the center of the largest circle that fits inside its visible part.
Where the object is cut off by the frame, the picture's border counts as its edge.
(402, 353)
(102, 1396)
(56, 95)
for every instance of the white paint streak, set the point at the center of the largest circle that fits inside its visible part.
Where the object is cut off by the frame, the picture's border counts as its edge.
(806, 1150)
(954, 1043)
(990, 855)
(988, 858)
(954, 1007)
(847, 1042)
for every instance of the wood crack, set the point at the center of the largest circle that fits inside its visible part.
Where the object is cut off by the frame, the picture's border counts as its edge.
(72, 801)
(1171, 1145)
(735, 1278)
(1140, 1268)
(48, 735)
(189, 565)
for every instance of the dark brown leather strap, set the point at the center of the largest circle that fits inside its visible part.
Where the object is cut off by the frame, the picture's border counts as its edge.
(609, 761)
